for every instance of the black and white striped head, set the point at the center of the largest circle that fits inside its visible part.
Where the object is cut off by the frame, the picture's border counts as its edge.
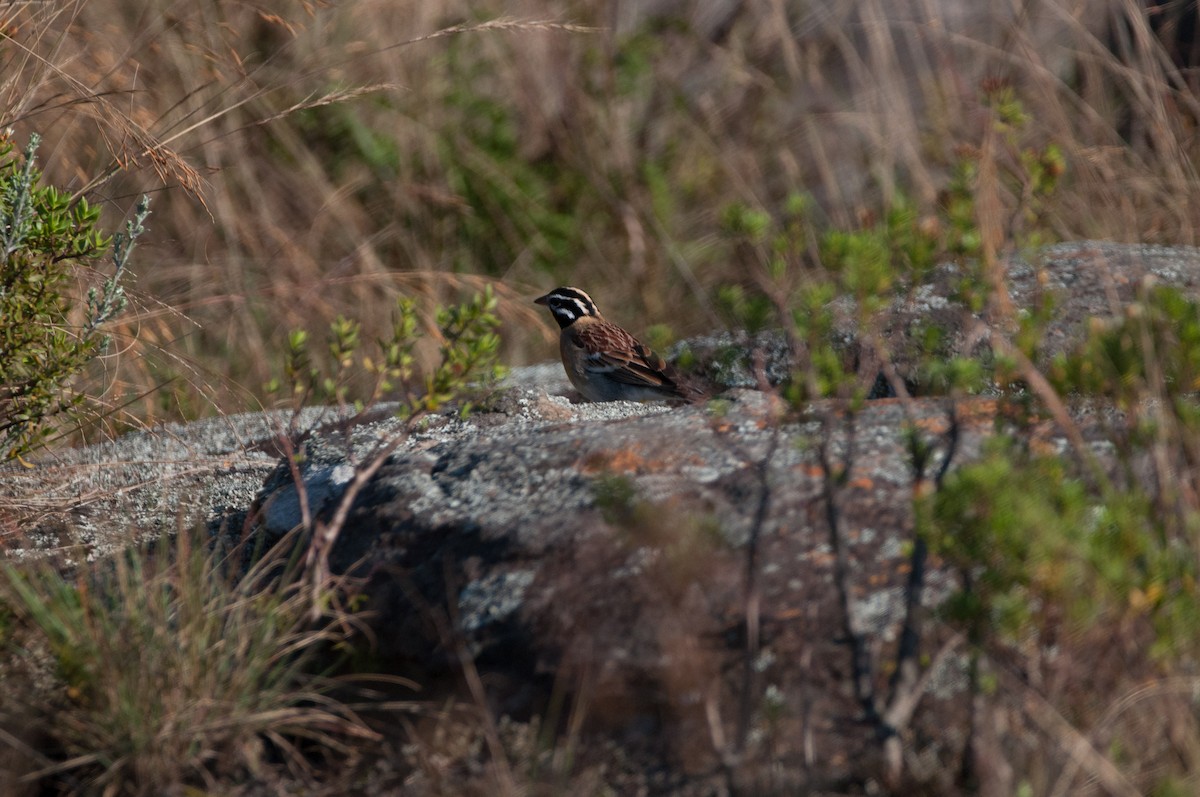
(568, 305)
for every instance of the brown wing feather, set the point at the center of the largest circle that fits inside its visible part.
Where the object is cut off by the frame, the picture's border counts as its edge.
(623, 358)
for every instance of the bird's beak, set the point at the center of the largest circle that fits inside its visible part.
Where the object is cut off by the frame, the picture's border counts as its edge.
(542, 299)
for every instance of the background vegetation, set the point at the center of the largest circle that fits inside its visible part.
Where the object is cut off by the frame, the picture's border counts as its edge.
(312, 162)
(312, 159)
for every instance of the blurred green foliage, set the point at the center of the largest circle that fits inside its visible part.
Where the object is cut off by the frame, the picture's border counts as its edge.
(1036, 546)
(46, 338)
(468, 348)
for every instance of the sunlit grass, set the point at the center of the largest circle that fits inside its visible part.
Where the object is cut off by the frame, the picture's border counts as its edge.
(319, 159)
(163, 667)
(314, 160)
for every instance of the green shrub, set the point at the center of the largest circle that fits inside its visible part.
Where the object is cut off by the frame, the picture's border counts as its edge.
(468, 351)
(1036, 545)
(46, 239)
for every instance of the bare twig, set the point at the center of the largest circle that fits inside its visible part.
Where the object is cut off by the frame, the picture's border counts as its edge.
(907, 672)
(1081, 750)
(1042, 388)
(862, 673)
(325, 535)
(447, 628)
(752, 596)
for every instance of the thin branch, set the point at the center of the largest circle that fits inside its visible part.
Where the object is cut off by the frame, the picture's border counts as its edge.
(1082, 752)
(325, 535)
(860, 657)
(752, 600)
(906, 683)
(1042, 388)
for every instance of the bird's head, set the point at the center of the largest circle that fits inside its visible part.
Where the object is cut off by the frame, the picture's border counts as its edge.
(568, 305)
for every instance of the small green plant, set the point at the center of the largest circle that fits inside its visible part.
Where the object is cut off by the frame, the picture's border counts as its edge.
(1013, 524)
(1001, 186)
(1153, 352)
(170, 669)
(45, 339)
(468, 348)
(748, 310)
(801, 268)
(1035, 544)
(999, 193)
(468, 351)
(1146, 366)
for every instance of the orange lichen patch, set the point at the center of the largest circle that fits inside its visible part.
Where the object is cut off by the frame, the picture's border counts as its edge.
(813, 471)
(1042, 442)
(1045, 437)
(923, 488)
(862, 483)
(973, 411)
(626, 460)
(623, 460)
(821, 558)
(934, 425)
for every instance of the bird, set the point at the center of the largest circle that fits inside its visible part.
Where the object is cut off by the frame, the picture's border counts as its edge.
(603, 361)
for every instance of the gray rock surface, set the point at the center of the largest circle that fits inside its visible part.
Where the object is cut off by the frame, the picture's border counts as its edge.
(603, 549)
(618, 549)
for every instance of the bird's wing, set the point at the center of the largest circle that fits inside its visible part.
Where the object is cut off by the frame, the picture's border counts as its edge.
(621, 357)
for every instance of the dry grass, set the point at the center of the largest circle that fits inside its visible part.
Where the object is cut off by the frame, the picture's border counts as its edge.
(158, 668)
(316, 158)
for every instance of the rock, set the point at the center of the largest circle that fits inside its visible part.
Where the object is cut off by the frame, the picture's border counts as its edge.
(613, 556)
(1086, 280)
(602, 551)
